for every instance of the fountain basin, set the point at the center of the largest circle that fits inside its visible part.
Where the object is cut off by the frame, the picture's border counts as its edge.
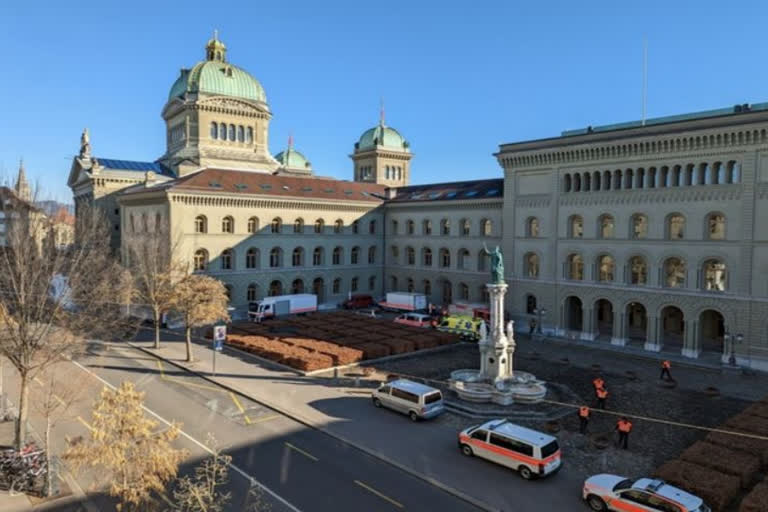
(522, 387)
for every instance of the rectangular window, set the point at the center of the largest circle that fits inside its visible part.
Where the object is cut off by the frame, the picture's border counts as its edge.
(433, 397)
(511, 444)
(405, 395)
(480, 435)
(549, 449)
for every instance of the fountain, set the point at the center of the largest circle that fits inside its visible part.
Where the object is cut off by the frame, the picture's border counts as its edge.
(496, 381)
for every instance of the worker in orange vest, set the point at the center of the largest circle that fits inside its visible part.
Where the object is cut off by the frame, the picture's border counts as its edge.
(583, 419)
(665, 366)
(602, 396)
(624, 426)
(598, 383)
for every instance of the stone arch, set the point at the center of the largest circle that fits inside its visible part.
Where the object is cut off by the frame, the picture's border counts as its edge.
(318, 288)
(573, 313)
(672, 325)
(603, 312)
(635, 321)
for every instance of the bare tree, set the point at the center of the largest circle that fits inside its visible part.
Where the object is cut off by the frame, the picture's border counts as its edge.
(50, 299)
(201, 492)
(256, 500)
(201, 301)
(152, 258)
(138, 458)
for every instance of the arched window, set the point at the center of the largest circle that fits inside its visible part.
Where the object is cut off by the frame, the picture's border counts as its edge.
(409, 227)
(426, 259)
(371, 283)
(605, 268)
(355, 227)
(227, 225)
(227, 259)
(575, 267)
(483, 260)
(201, 224)
(387, 172)
(463, 291)
(353, 284)
(231, 134)
(463, 259)
(464, 226)
(445, 258)
(338, 226)
(486, 227)
(639, 228)
(530, 304)
(606, 224)
(298, 226)
(253, 225)
(297, 286)
(427, 287)
(338, 256)
(240, 134)
(201, 259)
(372, 227)
(409, 285)
(394, 227)
(395, 253)
(252, 258)
(716, 226)
(532, 227)
(372, 255)
(445, 227)
(355, 256)
(410, 256)
(222, 131)
(675, 227)
(715, 275)
(336, 289)
(317, 256)
(275, 288)
(567, 183)
(251, 294)
(674, 273)
(638, 270)
(319, 226)
(249, 135)
(276, 257)
(575, 226)
(531, 262)
(427, 227)
(214, 131)
(277, 225)
(297, 260)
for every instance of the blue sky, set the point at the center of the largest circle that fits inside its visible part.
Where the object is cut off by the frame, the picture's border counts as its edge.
(457, 78)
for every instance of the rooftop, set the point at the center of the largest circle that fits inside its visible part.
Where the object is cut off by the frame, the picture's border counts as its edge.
(455, 191)
(131, 165)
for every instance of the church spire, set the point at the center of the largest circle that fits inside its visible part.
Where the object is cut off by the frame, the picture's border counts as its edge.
(22, 185)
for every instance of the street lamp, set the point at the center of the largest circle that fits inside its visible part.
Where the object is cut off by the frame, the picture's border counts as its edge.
(730, 339)
(540, 313)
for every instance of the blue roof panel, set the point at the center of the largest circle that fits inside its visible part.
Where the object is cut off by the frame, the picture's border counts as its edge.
(130, 165)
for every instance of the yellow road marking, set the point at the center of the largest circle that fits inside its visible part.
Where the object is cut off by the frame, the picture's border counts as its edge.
(266, 418)
(308, 455)
(81, 420)
(240, 406)
(59, 400)
(380, 495)
(38, 381)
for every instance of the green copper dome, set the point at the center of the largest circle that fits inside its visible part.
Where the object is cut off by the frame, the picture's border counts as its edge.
(215, 76)
(291, 158)
(382, 135)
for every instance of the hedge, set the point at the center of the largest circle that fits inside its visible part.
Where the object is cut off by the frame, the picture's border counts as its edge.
(722, 459)
(757, 500)
(743, 444)
(715, 488)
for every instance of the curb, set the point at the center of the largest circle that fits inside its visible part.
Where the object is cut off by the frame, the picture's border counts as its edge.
(373, 453)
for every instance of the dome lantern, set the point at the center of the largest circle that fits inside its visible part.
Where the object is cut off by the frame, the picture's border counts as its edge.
(215, 50)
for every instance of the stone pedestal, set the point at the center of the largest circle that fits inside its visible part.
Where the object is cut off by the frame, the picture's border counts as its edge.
(496, 352)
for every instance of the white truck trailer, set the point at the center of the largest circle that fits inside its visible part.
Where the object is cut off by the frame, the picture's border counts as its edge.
(281, 305)
(404, 301)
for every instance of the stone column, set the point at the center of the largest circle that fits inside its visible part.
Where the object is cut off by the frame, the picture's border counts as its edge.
(496, 352)
(619, 334)
(653, 335)
(587, 324)
(690, 339)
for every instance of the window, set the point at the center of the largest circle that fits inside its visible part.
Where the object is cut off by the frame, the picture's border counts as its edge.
(486, 227)
(275, 288)
(251, 293)
(214, 131)
(480, 435)
(201, 224)
(371, 283)
(201, 259)
(427, 287)
(639, 226)
(605, 268)
(393, 283)
(394, 227)
(575, 267)
(532, 227)
(317, 256)
(231, 134)
(227, 258)
(716, 226)
(395, 253)
(319, 226)
(297, 286)
(675, 227)
(353, 284)
(372, 254)
(222, 131)
(445, 258)
(445, 227)
(372, 227)
(338, 256)
(355, 227)
(355, 256)
(410, 256)
(606, 226)
(298, 226)
(277, 225)
(338, 226)
(531, 264)
(409, 227)
(253, 225)
(336, 286)
(427, 227)
(463, 291)
(464, 226)
(638, 270)
(714, 275)
(427, 257)
(227, 225)
(240, 134)
(297, 260)
(249, 135)
(252, 258)
(575, 226)
(635, 496)
(674, 273)
(405, 395)
(463, 260)
(511, 444)
(530, 304)
(276, 257)
(409, 285)
(483, 260)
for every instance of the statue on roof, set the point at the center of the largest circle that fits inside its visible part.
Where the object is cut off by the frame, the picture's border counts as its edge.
(85, 145)
(497, 265)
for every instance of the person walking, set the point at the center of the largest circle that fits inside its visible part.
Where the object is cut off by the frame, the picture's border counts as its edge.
(665, 366)
(531, 326)
(598, 383)
(624, 427)
(602, 396)
(583, 419)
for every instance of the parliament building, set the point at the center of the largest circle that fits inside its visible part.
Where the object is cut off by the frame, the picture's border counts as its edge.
(642, 234)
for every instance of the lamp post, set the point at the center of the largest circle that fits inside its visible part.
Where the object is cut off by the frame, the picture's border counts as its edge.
(540, 313)
(731, 340)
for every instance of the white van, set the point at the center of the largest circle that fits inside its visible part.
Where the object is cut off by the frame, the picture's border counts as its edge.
(416, 400)
(531, 453)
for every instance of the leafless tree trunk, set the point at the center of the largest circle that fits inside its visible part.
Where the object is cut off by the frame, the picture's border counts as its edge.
(201, 300)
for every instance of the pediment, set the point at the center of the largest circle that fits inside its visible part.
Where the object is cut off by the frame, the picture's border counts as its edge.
(77, 174)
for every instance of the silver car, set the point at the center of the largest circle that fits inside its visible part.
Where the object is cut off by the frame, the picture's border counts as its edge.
(416, 400)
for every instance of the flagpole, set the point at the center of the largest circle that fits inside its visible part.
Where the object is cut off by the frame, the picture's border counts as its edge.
(645, 77)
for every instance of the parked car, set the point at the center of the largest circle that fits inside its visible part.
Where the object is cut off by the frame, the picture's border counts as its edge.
(418, 401)
(531, 453)
(465, 326)
(611, 492)
(414, 319)
(358, 301)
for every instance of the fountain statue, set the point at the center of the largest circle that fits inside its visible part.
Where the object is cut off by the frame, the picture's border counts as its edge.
(496, 381)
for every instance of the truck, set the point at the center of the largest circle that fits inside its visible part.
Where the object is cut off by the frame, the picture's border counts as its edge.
(404, 301)
(281, 305)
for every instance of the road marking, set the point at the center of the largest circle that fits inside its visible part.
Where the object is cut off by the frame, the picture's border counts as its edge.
(164, 377)
(81, 420)
(38, 381)
(240, 406)
(59, 400)
(380, 495)
(239, 471)
(308, 455)
(266, 418)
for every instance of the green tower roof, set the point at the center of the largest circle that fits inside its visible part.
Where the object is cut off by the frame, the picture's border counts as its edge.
(382, 135)
(291, 158)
